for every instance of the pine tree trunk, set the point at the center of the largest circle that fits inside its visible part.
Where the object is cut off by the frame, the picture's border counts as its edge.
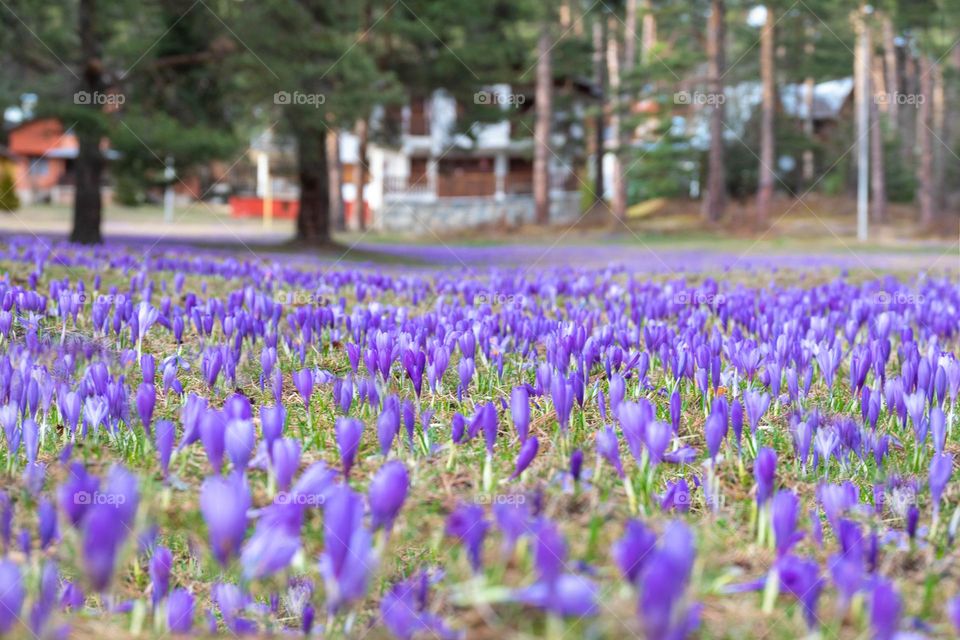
(544, 114)
(88, 167)
(715, 198)
(337, 218)
(767, 160)
(925, 175)
(600, 77)
(892, 73)
(649, 32)
(878, 181)
(630, 38)
(907, 117)
(619, 196)
(809, 85)
(939, 130)
(313, 222)
(357, 222)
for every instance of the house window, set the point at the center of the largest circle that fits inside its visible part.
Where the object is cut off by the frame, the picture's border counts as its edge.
(419, 122)
(39, 168)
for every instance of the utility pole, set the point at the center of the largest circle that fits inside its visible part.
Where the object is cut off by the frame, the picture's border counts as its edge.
(862, 61)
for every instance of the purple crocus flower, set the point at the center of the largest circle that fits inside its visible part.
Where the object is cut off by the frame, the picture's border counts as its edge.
(232, 602)
(662, 583)
(9, 414)
(213, 436)
(388, 425)
(165, 433)
(285, 460)
(715, 430)
(520, 410)
(785, 510)
(941, 468)
(107, 524)
(468, 525)
(513, 519)
(276, 539)
(404, 611)
(657, 438)
(576, 464)
(239, 440)
(677, 496)
(953, 611)
(756, 403)
(12, 595)
(348, 433)
(160, 564)
(632, 551)
(74, 495)
(386, 494)
(272, 419)
(885, 608)
(46, 600)
(47, 523)
(303, 381)
(488, 422)
(347, 559)
(224, 502)
(528, 451)
(180, 611)
(765, 473)
(563, 594)
(801, 578)
(146, 399)
(609, 448)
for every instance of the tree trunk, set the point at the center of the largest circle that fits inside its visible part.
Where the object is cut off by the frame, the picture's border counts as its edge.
(649, 32)
(925, 175)
(907, 117)
(313, 222)
(767, 159)
(630, 38)
(357, 222)
(88, 167)
(619, 199)
(600, 77)
(878, 182)
(939, 130)
(544, 113)
(892, 75)
(715, 198)
(336, 181)
(809, 85)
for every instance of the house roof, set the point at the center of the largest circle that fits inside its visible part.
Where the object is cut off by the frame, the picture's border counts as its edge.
(828, 99)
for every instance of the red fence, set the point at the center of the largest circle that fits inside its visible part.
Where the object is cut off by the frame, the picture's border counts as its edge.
(252, 207)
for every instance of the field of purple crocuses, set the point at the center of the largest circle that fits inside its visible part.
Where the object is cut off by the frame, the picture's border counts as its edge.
(199, 442)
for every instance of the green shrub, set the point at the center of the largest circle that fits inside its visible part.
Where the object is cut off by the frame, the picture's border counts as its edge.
(9, 201)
